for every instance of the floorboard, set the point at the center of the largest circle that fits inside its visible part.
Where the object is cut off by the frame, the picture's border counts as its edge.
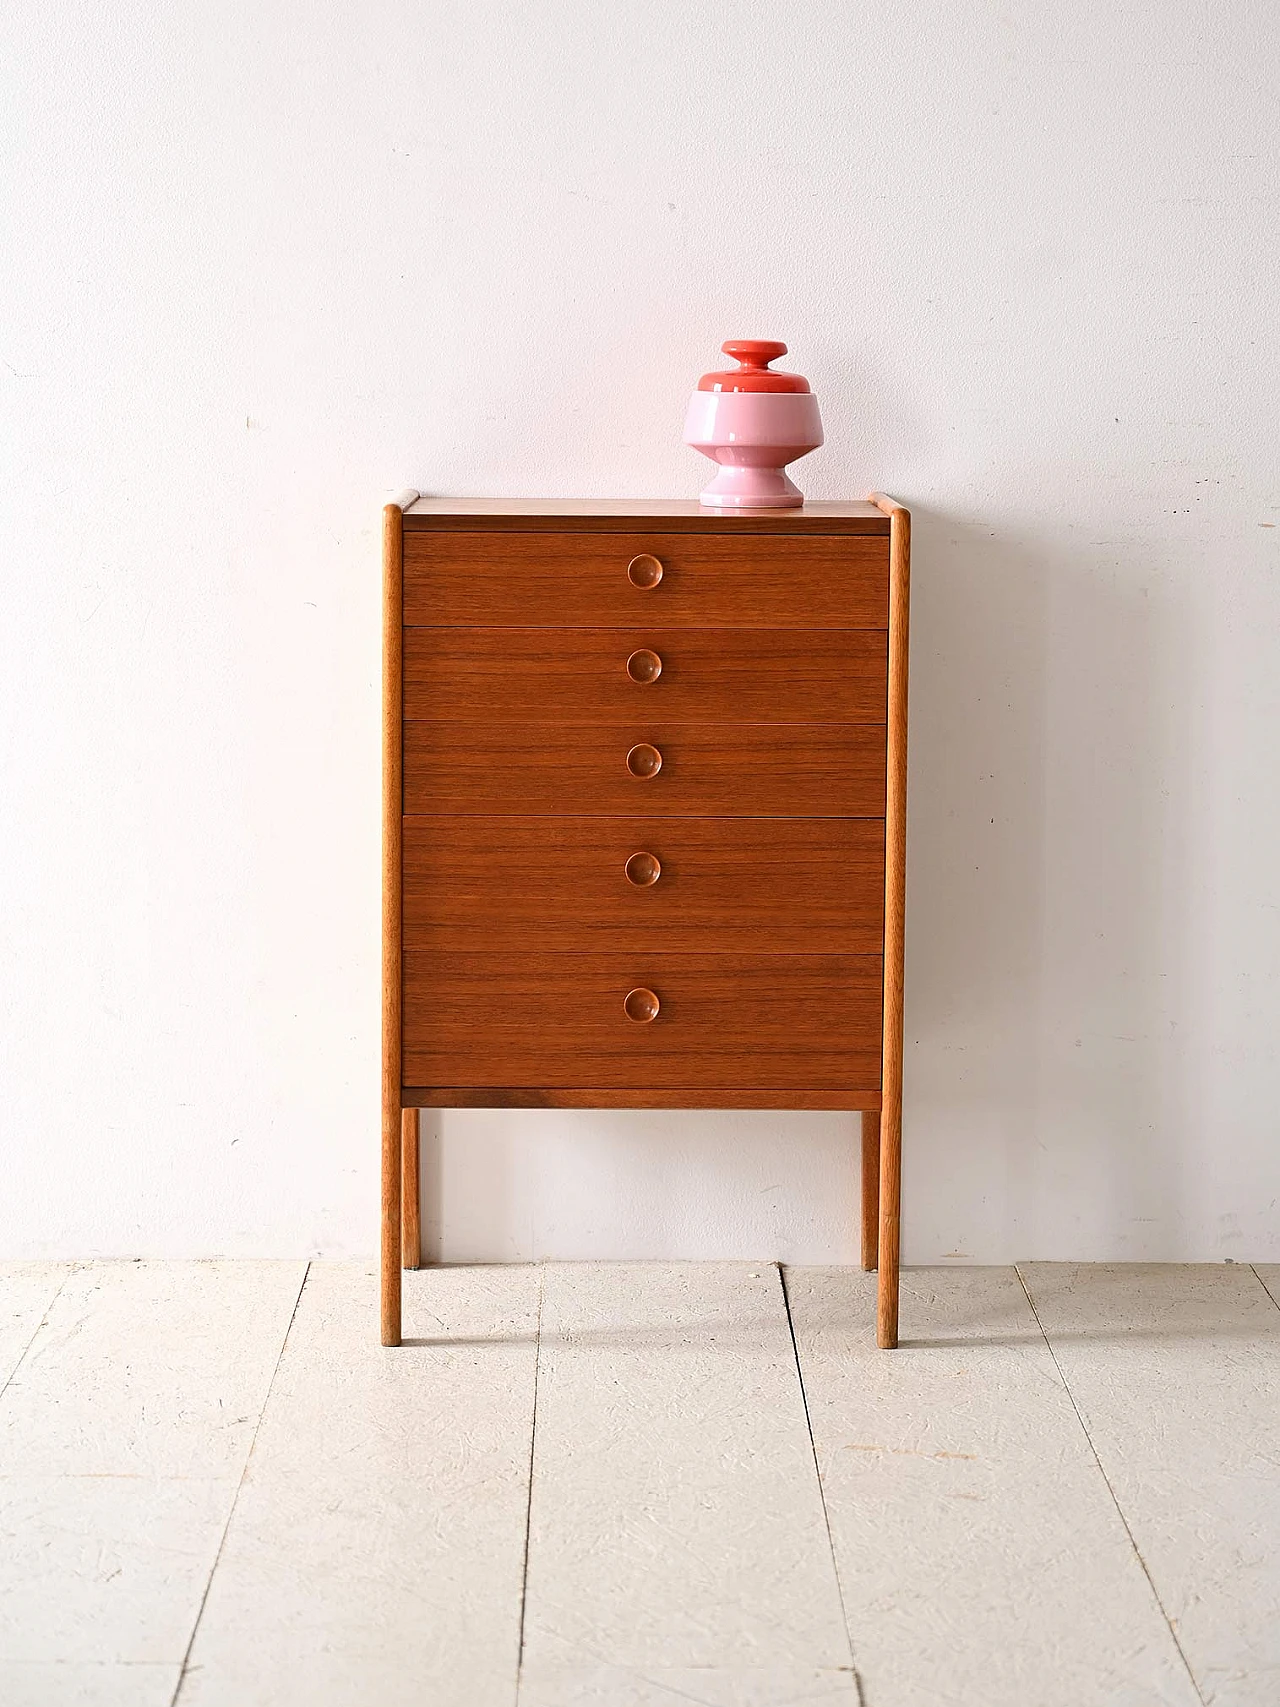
(53, 1683)
(981, 1556)
(27, 1289)
(786, 1684)
(216, 1485)
(376, 1548)
(123, 1435)
(676, 1522)
(1176, 1371)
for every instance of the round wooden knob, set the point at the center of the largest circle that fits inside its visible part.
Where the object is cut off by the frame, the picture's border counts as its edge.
(644, 571)
(642, 869)
(644, 665)
(644, 761)
(641, 1006)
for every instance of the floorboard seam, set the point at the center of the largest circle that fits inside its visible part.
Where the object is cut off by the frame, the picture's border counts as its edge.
(817, 1471)
(235, 1498)
(1084, 1429)
(1262, 1283)
(35, 1332)
(528, 1510)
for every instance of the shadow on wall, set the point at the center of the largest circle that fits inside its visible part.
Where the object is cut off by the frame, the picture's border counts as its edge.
(1048, 889)
(1050, 982)
(503, 1185)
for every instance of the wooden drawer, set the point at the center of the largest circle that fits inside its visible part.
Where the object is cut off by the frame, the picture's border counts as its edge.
(731, 1021)
(723, 885)
(586, 675)
(727, 580)
(743, 769)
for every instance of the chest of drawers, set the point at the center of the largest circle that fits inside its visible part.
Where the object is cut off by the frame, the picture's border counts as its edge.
(644, 817)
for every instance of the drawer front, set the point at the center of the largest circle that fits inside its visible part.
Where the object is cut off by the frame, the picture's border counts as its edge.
(718, 885)
(748, 769)
(776, 1022)
(586, 675)
(729, 580)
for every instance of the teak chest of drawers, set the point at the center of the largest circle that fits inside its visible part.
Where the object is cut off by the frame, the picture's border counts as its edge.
(644, 822)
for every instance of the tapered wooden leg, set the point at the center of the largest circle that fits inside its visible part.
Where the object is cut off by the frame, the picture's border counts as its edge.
(392, 895)
(410, 1195)
(870, 1187)
(895, 877)
(391, 1163)
(890, 1222)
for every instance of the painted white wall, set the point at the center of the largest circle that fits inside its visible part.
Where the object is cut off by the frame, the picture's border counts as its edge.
(264, 263)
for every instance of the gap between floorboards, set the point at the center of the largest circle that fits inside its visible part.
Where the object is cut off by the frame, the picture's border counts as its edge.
(244, 1471)
(58, 1291)
(528, 1510)
(1120, 1513)
(817, 1471)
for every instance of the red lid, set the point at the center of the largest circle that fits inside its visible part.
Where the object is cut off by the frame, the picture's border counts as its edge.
(752, 374)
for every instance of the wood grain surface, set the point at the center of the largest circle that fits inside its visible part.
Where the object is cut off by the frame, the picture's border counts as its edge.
(579, 675)
(739, 769)
(725, 885)
(764, 1021)
(647, 748)
(596, 515)
(638, 1096)
(708, 580)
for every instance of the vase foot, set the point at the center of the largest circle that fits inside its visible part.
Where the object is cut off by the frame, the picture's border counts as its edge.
(738, 488)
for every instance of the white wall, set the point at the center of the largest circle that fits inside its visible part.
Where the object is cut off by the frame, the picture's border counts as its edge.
(265, 263)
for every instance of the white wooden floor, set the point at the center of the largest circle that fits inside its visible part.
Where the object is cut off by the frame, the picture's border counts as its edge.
(642, 1485)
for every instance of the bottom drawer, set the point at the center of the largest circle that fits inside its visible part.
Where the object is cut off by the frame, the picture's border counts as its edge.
(723, 1021)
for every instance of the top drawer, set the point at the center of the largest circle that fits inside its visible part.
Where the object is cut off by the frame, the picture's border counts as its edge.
(724, 580)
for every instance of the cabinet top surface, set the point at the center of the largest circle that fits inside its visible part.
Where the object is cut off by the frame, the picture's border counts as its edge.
(676, 515)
